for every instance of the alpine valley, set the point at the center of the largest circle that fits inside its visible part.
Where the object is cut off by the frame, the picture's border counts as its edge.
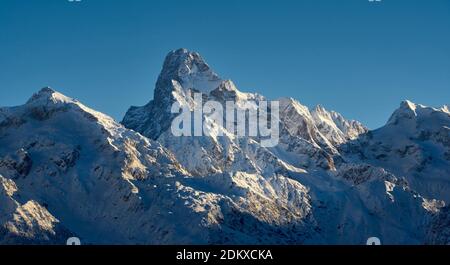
(67, 170)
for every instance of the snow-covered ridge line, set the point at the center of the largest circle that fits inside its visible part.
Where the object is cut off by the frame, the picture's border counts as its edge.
(67, 170)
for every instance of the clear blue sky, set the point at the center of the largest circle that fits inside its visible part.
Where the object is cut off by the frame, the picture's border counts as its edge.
(353, 56)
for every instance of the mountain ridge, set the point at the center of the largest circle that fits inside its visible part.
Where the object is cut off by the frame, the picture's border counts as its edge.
(67, 170)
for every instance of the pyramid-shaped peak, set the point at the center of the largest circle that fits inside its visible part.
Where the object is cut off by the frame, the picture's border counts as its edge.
(189, 69)
(48, 94)
(183, 59)
(411, 111)
(408, 105)
(47, 90)
(181, 53)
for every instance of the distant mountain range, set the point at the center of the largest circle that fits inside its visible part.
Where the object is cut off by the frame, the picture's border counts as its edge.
(67, 170)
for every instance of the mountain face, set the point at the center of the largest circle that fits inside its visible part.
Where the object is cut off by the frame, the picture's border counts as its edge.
(415, 143)
(67, 170)
(182, 72)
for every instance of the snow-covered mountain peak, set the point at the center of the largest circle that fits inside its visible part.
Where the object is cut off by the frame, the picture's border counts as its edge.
(409, 112)
(183, 73)
(67, 170)
(190, 70)
(335, 127)
(406, 111)
(47, 95)
(293, 103)
(48, 103)
(409, 105)
(415, 143)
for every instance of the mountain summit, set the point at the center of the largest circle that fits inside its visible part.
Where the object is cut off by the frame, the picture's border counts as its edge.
(68, 170)
(189, 70)
(183, 72)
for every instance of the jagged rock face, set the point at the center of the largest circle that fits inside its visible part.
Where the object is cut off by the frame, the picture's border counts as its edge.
(311, 135)
(67, 164)
(314, 140)
(72, 171)
(335, 127)
(182, 72)
(67, 170)
(189, 70)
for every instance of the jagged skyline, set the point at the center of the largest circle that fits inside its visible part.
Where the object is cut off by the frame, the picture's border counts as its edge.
(355, 57)
(69, 170)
